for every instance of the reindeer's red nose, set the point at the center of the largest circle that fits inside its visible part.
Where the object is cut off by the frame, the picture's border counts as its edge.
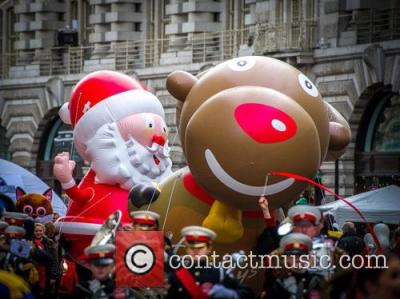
(265, 124)
(159, 139)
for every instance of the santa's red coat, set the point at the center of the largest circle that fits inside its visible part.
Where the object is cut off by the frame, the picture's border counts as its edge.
(88, 208)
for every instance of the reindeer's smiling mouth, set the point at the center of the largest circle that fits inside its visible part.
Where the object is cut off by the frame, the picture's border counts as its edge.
(239, 187)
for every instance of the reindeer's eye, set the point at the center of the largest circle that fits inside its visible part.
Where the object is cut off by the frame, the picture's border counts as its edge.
(149, 123)
(41, 211)
(27, 210)
(308, 86)
(242, 64)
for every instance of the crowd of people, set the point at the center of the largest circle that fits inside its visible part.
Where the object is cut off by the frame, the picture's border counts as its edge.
(345, 263)
(305, 255)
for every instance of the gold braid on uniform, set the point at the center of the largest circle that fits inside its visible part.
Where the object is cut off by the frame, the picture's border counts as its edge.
(33, 277)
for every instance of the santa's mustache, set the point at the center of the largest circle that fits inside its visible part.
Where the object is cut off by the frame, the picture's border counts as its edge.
(161, 150)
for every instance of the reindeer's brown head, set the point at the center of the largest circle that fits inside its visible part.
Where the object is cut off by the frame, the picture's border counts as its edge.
(249, 117)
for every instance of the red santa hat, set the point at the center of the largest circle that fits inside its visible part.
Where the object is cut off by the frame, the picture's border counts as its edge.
(104, 97)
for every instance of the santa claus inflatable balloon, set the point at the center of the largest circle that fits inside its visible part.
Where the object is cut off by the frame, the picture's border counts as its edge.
(119, 128)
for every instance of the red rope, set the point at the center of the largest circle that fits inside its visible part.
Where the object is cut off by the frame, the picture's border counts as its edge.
(304, 179)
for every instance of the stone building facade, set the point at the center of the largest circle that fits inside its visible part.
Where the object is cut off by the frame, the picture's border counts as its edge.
(349, 48)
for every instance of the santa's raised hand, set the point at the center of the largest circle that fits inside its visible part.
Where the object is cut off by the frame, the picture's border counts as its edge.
(63, 168)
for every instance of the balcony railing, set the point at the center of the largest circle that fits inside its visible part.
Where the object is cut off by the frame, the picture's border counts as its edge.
(131, 55)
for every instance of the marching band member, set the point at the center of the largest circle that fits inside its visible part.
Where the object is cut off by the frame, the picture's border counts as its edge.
(3, 243)
(305, 219)
(308, 220)
(295, 281)
(202, 279)
(17, 259)
(101, 263)
(144, 220)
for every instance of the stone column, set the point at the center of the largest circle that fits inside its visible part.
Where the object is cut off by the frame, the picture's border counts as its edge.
(37, 27)
(98, 20)
(46, 25)
(157, 19)
(176, 38)
(117, 24)
(24, 16)
(189, 21)
(3, 37)
(81, 22)
(238, 17)
(68, 18)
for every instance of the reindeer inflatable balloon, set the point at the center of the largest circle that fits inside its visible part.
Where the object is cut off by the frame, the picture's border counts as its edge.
(119, 128)
(239, 123)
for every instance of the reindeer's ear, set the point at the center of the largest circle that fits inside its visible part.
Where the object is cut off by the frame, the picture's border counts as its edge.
(48, 194)
(19, 192)
(339, 134)
(179, 83)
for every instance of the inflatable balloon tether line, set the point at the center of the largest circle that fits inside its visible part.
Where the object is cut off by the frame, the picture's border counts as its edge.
(304, 179)
(169, 204)
(173, 187)
(82, 212)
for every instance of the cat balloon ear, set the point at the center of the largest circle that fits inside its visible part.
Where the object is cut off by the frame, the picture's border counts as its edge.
(19, 192)
(49, 194)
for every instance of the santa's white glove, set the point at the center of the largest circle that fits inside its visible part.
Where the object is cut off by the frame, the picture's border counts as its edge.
(219, 291)
(63, 168)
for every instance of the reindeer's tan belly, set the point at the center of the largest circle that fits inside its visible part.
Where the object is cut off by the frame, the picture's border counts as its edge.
(179, 208)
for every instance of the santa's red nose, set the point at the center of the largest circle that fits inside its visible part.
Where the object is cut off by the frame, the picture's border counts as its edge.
(265, 124)
(157, 138)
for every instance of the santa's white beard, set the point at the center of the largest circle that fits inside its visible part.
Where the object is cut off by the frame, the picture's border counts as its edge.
(127, 163)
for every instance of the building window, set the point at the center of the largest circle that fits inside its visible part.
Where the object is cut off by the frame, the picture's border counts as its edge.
(79, 15)
(138, 26)
(371, 23)
(8, 33)
(138, 7)
(377, 157)
(279, 12)
(295, 10)
(60, 139)
(216, 17)
(386, 135)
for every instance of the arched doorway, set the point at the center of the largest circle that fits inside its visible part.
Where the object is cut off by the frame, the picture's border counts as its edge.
(377, 156)
(57, 137)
